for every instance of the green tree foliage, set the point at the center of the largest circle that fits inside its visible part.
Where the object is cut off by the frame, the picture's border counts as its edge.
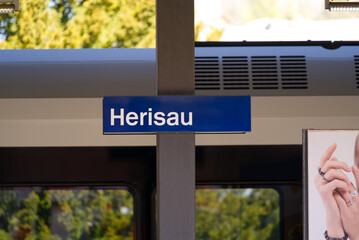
(44, 24)
(66, 214)
(80, 214)
(236, 214)
(48, 24)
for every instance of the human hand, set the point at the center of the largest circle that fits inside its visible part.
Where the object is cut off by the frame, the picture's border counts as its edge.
(350, 212)
(332, 183)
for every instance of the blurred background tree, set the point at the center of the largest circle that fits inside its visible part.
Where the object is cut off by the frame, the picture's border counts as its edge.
(230, 214)
(66, 214)
(44, 24)
(237, 214)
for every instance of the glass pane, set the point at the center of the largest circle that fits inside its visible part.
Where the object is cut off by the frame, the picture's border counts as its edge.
(272, 20)
(66, 213)
(45, 24)
(238, 213)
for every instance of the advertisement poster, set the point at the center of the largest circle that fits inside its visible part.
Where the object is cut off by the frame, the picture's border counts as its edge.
(331, 176)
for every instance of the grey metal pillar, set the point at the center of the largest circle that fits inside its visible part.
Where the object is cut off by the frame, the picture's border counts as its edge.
(175, 152)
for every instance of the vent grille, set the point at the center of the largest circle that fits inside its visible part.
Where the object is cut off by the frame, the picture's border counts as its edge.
(235, 72)
(207, 73)
(293, 72)
(356, 62)
(264, 72)
(253, 72)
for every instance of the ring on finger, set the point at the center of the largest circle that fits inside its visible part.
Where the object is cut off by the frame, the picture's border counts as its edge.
(354, 193)
(350, 203)
(320, 172)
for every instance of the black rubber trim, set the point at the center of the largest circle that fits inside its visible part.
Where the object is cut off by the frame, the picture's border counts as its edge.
(324, 44)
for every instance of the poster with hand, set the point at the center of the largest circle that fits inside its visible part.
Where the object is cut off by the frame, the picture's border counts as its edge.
(331, 160)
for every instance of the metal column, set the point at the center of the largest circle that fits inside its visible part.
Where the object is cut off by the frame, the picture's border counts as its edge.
(175, 152)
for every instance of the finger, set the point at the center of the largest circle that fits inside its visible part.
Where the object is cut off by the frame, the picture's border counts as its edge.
(351, 187)
(335, 165)
(337, 185)
(350, 184)
(328, 154)
(345, 195)
(343, 207)
(318, 181)
(335, 174)
(356, 174)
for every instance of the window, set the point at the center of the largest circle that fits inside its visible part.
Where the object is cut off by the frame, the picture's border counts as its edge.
(233, 182)
(66, 213)
(237, 213)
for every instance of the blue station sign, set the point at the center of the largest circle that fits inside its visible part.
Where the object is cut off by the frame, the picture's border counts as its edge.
(161, 114)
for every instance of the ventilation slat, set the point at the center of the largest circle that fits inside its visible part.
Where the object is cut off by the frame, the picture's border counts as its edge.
(296, 87)
(294, 83)
(293, 72)
(207, 76)
(294, 68)
(206, 68)
(266, 80)
(296, 75)
(235, 68)
(234, 57)
(235, 76)
(265, 64)
(234, 61)
(264, 75)
(207, 84)
(236, 87)
(236, 80)
(292, 60)
(235, 72)
(252, 72)
(293, 79)
(264, 72)
(291, 63)
(231, 72)
(291, 56)
(235, 64)
(265, 88)
(255, 57)
(263, 61)
(202, 88)
(235, 84)
(206, 80)
(213, 57)
(207, 73)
